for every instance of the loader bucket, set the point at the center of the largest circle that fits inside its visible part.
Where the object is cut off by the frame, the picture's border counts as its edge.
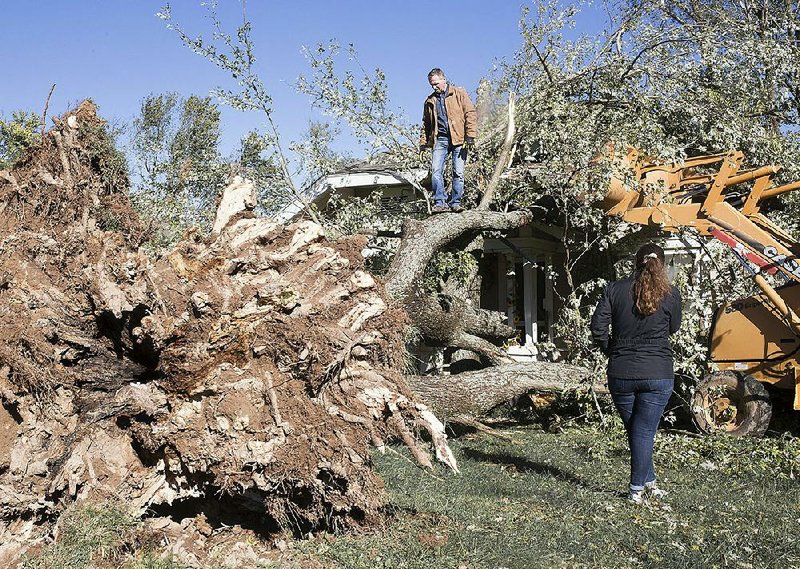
(620, 196)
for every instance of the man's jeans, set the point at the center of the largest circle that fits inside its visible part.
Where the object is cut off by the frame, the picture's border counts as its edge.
(441, 148)
(641, 403)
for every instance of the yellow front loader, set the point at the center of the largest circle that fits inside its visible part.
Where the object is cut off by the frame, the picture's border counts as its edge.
(755, 340)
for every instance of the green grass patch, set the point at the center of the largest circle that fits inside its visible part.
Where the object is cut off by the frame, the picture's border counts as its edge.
(97, 536)
(543, 500)
(557, 500)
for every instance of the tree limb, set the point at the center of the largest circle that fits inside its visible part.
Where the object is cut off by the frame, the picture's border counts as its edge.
(475, 393)
(44, 114)
(495, 355)
(422, 239)
(502, 159)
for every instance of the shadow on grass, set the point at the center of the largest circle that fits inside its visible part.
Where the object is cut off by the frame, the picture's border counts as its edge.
(784, 418)
(522, 464)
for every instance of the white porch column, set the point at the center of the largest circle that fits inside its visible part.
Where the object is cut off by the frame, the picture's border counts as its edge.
(548, 297)
(529, 303)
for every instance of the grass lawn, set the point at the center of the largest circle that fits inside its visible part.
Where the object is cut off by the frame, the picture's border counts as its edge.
(556, 500)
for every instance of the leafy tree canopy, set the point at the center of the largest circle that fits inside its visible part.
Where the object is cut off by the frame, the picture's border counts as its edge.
(17, 134)
(177, 167)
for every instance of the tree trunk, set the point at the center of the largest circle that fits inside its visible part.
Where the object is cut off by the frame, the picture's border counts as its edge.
(448, 320)
(476, 393)
(422, 239)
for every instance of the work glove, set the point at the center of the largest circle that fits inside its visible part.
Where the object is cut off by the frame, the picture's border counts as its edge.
(422, 153)
(469, 142)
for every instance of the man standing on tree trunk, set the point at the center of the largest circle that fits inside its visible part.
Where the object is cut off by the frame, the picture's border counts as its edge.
(449, 126)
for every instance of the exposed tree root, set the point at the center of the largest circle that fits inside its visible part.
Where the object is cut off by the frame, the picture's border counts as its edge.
(251, 370)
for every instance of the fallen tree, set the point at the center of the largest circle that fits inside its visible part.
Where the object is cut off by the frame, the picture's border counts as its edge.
(244, 376)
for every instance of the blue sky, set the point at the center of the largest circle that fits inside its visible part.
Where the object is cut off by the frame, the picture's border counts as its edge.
(118, 51)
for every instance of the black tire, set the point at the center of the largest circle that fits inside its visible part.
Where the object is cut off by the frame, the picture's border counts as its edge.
(728, 402)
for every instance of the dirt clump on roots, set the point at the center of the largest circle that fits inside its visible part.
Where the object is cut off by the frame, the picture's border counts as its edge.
(240, 379)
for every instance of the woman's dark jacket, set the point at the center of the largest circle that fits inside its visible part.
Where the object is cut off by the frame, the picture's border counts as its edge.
(638, 346)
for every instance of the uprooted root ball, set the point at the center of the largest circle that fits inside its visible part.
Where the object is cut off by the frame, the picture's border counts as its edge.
(247, 372)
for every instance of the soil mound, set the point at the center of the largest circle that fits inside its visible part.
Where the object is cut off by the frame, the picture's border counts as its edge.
(243, 377)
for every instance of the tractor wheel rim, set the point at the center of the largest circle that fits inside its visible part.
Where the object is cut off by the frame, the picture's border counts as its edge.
(721, 412)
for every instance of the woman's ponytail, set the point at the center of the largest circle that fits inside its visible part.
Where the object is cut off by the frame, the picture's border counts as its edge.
(650, 283)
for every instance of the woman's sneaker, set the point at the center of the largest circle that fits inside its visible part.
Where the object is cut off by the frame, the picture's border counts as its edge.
(654, 490)
(636, 496)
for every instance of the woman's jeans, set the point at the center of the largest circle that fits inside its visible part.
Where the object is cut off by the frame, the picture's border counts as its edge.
(641, 403)
(441, 149)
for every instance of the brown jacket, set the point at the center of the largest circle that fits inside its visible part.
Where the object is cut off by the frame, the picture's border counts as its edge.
(461, 117)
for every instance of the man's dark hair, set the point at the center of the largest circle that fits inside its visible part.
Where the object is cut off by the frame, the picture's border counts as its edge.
(436, 71)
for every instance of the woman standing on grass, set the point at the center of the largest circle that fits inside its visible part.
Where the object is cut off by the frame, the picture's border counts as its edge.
(642, 311)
